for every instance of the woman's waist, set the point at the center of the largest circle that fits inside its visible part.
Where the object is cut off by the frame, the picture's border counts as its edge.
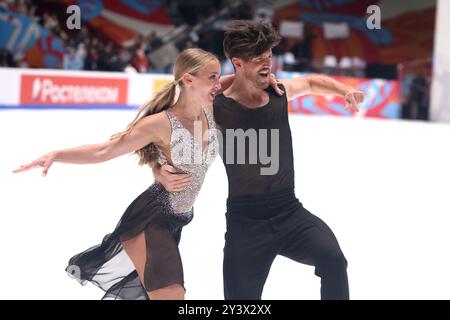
(180, 202)
(186, 197)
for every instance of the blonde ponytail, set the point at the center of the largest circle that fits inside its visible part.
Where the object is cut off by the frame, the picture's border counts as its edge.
(161, 101)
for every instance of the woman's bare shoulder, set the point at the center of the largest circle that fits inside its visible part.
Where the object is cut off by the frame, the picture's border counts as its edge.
(156, 121)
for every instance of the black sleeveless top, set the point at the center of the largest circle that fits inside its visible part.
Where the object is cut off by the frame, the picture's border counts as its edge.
(265, 169)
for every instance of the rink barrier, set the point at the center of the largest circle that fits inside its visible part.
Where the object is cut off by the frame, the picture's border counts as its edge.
(61, 89)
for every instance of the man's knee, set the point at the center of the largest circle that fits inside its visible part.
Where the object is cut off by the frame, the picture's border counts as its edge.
(339, 260)
(332, 260)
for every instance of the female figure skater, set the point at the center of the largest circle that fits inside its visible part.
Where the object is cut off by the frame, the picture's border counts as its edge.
(150, 229)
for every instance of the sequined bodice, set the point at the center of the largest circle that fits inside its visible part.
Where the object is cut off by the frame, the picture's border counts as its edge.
(188, 157)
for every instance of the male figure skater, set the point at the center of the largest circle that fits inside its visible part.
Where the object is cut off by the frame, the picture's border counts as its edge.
(264, 218)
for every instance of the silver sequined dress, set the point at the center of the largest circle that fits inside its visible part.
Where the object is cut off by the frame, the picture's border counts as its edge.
(188, 157)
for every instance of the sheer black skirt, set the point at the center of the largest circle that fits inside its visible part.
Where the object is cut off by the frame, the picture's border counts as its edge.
(108, 266)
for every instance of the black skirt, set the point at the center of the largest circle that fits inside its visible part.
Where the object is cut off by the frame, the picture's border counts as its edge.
(107, 264)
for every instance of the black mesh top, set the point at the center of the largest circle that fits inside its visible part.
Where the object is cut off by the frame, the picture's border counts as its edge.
(261, 168)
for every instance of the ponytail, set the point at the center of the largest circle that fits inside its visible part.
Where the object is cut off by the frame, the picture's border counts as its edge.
(160, 102)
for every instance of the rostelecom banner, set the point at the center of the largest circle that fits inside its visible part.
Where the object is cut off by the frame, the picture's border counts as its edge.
(72, 90)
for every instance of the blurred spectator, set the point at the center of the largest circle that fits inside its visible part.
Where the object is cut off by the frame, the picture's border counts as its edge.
(91, 60)
(6, 59)
(82, 36)
(330, 65)
(419, 97)
(19, 60)
(345, 66)
(140, 61)
(359, 67)
(72, 59)
(106, 55)
(120, 62)
(416, 105)
(50, 22)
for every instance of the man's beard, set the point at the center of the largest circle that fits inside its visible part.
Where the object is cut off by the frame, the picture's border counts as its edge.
(259, 81)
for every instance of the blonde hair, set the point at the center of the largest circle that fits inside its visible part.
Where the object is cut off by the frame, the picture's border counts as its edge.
(189, 61)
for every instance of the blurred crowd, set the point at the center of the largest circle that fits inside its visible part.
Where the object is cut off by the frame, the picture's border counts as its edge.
(86, 49)
(83, 49)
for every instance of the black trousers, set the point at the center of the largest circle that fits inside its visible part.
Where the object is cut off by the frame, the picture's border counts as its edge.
(261, 227)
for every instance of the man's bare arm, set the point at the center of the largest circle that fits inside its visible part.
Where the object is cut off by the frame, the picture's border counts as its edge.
(322, 85)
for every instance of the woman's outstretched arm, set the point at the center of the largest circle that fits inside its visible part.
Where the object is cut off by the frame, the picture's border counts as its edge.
(146, 131)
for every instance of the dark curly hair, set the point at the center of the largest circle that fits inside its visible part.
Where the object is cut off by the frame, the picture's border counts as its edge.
(246, 39)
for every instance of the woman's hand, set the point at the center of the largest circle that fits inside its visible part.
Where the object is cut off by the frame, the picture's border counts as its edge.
(45, 161)
(226, 82)
(274, 84)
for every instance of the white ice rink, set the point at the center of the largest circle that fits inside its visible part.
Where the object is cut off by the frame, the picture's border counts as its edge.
(382, 186)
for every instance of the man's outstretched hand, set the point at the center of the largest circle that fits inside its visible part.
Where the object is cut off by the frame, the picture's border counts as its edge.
(352, 99)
